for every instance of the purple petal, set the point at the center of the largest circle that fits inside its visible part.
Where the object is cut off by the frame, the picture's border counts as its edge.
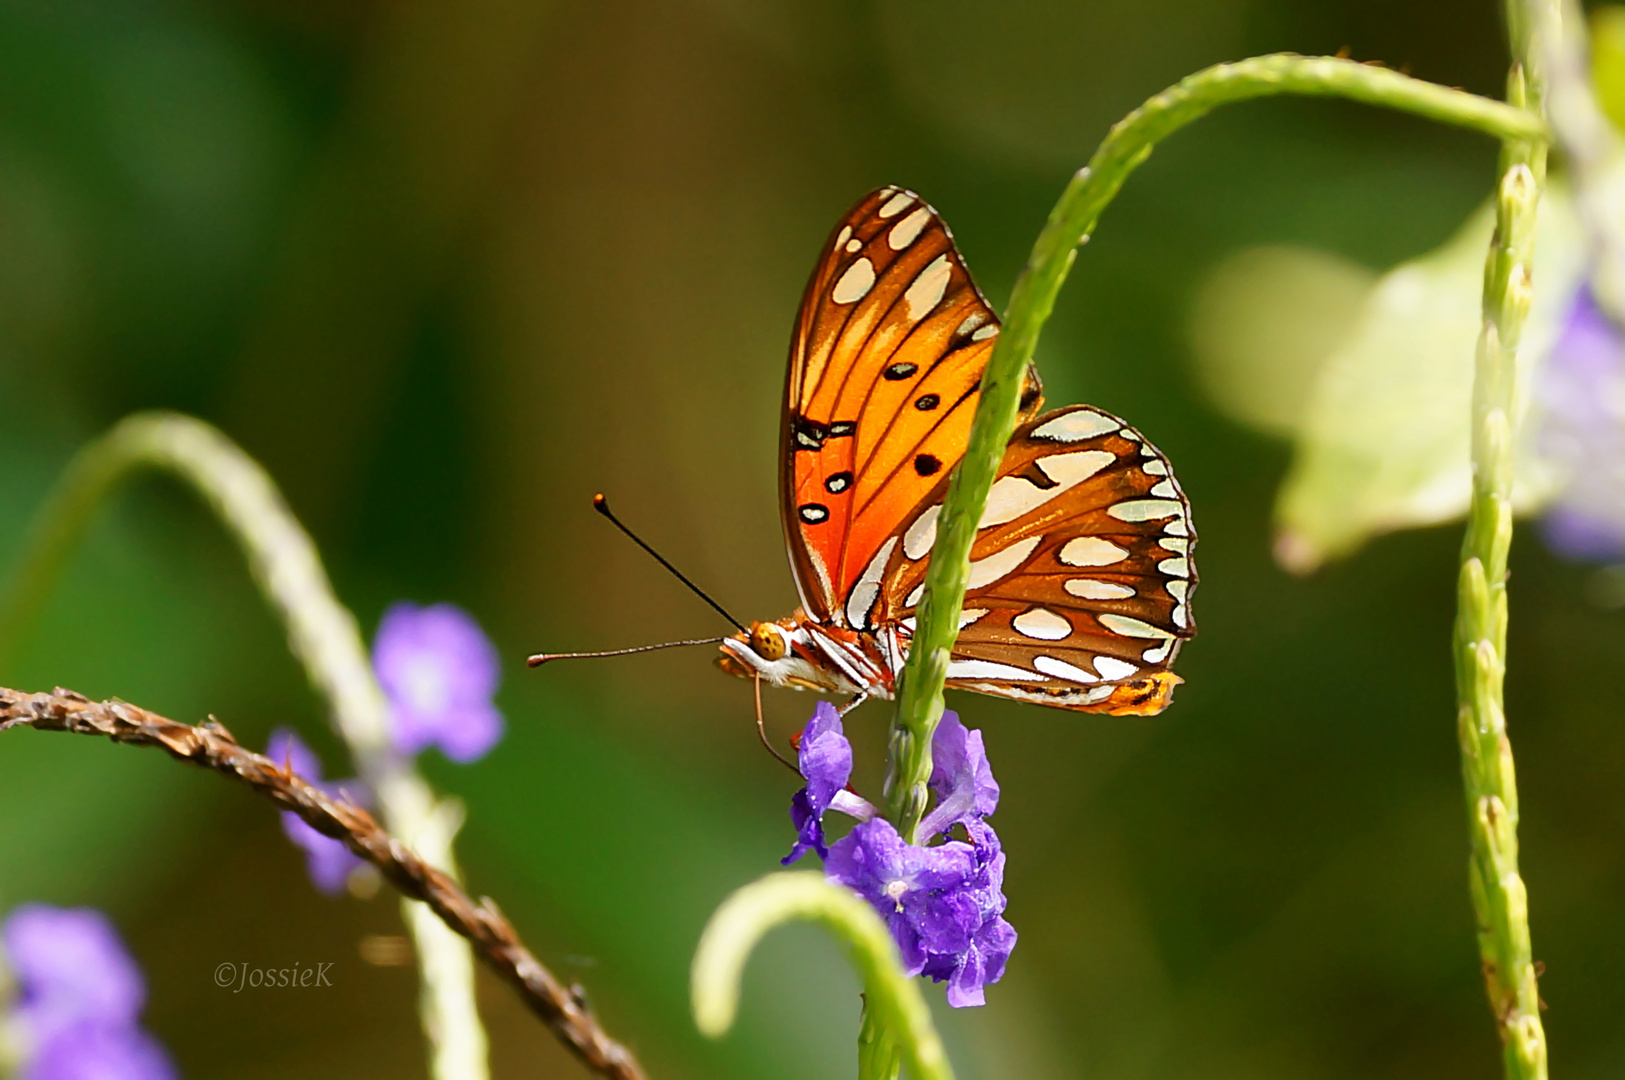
(327, 860)
(100, 1052)
(982, 963)
(961, 777)
(809, 830)
(71, 967)
(825, 755)
(1581, 392)
(288, 750)
(439, 672)
(825, 761)
(1578, 534)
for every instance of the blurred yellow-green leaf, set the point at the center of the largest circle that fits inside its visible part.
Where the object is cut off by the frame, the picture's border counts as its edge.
(1372, 382)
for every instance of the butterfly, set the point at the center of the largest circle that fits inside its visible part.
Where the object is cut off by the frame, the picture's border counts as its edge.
(1081, 573)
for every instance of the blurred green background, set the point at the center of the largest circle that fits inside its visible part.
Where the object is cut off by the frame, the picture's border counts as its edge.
(447, 269)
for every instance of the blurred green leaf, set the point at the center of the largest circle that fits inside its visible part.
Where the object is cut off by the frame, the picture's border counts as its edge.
(1264, 323)
(1382, 433)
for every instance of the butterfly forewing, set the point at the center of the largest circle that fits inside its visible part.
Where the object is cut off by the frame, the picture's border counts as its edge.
(884, 367)
(1081, 573)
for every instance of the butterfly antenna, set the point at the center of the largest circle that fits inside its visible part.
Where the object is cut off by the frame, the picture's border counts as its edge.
(601, 504)
(541, 658)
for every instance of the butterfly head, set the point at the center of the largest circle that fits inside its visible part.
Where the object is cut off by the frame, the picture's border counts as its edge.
(761, 650)
(783, 654)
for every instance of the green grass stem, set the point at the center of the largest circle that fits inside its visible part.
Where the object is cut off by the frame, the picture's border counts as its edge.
(897, 1022)
(1500, 900)
(1075, 216)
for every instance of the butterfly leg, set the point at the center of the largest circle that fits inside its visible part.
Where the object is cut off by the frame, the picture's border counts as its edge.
(857, 699)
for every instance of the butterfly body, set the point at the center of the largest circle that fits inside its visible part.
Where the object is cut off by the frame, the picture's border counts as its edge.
(1081, 573)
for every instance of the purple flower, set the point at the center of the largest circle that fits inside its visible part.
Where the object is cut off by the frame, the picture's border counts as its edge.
(81, 994)
(982, 960)
(944, 904)
(825, 761)
(1582, 431)
(961, 778)
(327, 860)
(438, 671)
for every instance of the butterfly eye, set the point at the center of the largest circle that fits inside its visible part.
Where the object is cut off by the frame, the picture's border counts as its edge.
(768, 641)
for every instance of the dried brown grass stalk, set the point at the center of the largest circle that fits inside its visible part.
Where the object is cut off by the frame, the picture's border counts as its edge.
(210, 745)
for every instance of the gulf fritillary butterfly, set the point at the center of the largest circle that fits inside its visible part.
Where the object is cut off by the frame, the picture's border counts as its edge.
(1081, 573)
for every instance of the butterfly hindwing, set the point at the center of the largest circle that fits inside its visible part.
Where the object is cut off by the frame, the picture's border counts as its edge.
(1081, 573)
(887, 356)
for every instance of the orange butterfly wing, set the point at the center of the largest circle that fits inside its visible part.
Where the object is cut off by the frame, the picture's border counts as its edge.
(885, 363)
(1081, 573)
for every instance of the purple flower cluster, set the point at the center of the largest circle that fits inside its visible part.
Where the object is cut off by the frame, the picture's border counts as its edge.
(438, 672)
(944, 902)
(80, 997)
(1582, 396)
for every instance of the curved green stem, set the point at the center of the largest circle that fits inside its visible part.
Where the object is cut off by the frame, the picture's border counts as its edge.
(901, 1021)
(323, 636)
(1070, 223)
(1500, 900)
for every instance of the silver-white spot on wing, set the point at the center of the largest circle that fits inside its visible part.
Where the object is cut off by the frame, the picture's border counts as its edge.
(1178, 589)
(1070, 470)
(1076, 426)
(1171, 543)
(1177, 567)
(855, 283)
(1137, 510)
(922, 534)
(854, 245)
(1158, 653)
(966, 617)
(1091, 551)
(1060, 669)
(986, 571)
(1090, 589)
(1176, 527)
(927, 290)
(1114, 669)
(985, 332)
(1042, 624)
(1165, 489)
(987, 669)
(863, 594)
(972, 321)
(845, 235)
(1012, 496)
(1123, 624)
(896, 204)
(906, 231)
(1156, 467)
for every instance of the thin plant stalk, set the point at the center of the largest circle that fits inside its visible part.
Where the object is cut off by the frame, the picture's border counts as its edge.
(563, 1007)
(1075, 216)
(1500, 900)
(323, 636)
